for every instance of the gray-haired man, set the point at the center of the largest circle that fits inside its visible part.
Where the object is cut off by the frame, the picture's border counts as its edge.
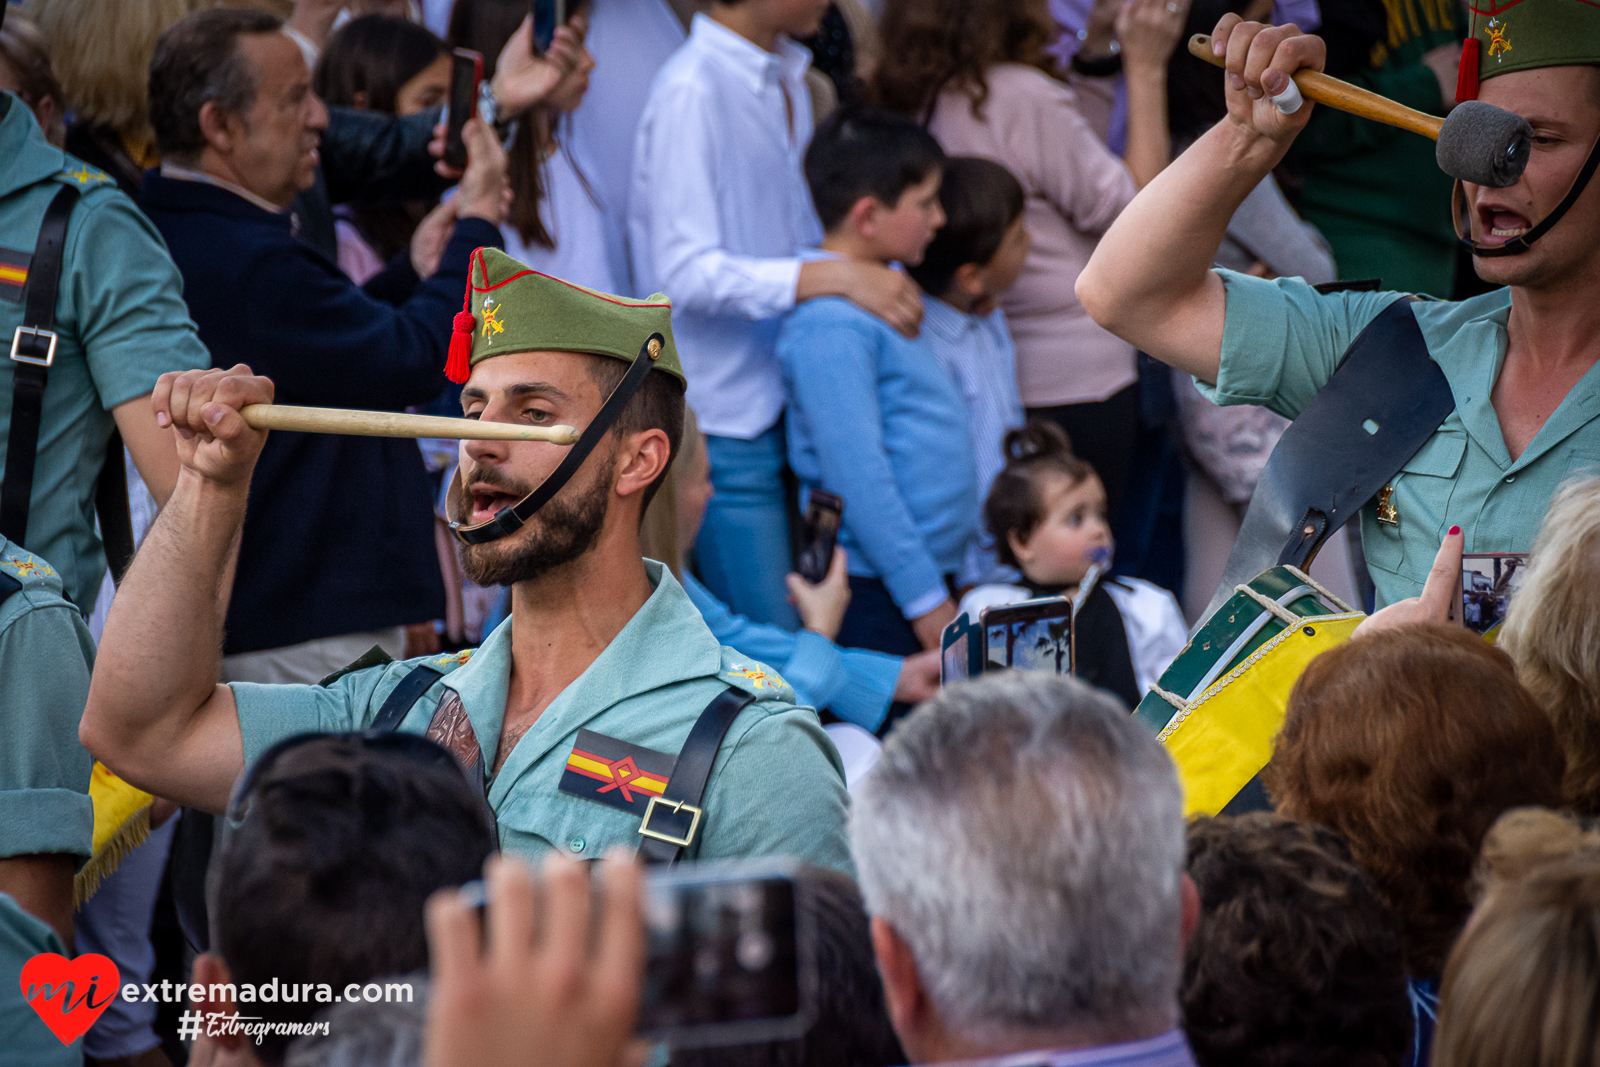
(1020, 846)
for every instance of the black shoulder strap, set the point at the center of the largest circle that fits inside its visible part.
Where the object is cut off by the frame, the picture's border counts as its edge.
(672, 819)
(1385, 400)
(32, 350)
(8, 585)
(404, 695)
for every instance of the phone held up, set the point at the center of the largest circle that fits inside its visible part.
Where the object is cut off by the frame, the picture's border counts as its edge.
(730, 953)
(1034, 635)
(466, 72)
(548, 16)
(821, 533)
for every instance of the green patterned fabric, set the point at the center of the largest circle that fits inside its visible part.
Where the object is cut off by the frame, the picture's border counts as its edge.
(517, 309)
(1527, 34)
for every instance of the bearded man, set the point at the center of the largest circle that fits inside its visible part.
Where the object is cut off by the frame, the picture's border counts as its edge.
(601, 713)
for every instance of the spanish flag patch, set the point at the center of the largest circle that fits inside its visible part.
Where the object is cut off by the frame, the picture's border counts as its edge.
(615, 773)
(13, 273)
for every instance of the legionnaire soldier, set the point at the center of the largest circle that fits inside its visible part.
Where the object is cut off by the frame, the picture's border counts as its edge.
(91, 314)
(590, 713)
(48, 821)
(1521, 396)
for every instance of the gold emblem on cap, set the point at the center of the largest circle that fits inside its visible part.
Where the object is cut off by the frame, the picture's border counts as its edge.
(1498, 44)
(653, 347)
(491, 321)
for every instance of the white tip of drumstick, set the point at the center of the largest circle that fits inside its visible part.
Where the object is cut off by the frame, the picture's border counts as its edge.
(1289, 100)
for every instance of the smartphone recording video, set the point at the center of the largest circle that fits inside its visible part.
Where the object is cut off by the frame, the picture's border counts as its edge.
(1488, 581)
(821, 533)
(1034, 635)
(466, 71)
(730, 954)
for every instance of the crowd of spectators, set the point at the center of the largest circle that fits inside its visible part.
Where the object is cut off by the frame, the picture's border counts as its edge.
(873, 222)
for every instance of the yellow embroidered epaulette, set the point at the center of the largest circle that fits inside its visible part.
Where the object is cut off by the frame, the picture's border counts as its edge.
(23, 565)
(752, 676)
(79, 173)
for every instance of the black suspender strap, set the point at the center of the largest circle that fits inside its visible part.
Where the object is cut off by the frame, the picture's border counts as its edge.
(672, 819)
(407, 693)
(1380, 406)
(33, 350)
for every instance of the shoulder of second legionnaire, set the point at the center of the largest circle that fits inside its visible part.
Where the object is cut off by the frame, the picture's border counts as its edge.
(26, 580)
(86, 179)
(754, 677)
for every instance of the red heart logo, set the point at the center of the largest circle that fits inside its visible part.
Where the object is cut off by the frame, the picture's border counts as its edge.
(69, 995)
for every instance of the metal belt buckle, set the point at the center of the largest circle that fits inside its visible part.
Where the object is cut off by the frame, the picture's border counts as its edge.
(676, 806)
(38, 335)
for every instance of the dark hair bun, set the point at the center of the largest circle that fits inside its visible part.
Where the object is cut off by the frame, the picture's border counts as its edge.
(1038, 439)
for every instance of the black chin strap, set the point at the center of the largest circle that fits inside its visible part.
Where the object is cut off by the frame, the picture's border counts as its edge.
(1518, 245)
(509, 519)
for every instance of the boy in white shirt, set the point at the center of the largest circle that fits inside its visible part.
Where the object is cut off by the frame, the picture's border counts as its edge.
(717, 215)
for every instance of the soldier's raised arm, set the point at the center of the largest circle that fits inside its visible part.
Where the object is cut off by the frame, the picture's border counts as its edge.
(1150, 280)
(156, 715)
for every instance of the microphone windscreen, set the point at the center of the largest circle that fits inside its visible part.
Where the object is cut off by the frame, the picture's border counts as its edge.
(1484, 144)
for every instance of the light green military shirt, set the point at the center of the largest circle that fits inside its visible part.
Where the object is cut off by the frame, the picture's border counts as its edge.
(28, 1041)
(1282, 342)
(45, 657)
(121, 322)
(777, 787)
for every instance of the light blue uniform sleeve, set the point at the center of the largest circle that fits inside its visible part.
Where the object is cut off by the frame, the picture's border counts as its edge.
(270, 713)
(828, 356)
(44, 770)
(1282, 340)
(127, 300)
(854, 684)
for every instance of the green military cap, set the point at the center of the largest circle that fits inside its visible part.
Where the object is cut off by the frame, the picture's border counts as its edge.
(512, 308)
(1511, 35)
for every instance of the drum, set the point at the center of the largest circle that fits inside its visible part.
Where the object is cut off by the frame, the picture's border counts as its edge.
(1220, 704)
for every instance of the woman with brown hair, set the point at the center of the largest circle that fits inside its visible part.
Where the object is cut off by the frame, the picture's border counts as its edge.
(555, 224)
(1410, 745)
(1552, 633)
(976, 72)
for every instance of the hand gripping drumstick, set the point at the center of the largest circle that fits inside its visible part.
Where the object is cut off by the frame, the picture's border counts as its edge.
(395, 424)
(1478, 142)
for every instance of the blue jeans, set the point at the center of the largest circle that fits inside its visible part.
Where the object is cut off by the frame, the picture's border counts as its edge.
(742, 553)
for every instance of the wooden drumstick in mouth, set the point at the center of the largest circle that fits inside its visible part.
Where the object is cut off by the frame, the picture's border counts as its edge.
(397, 424)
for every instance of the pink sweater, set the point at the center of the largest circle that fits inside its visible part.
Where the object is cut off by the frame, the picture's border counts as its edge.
(1075, 187)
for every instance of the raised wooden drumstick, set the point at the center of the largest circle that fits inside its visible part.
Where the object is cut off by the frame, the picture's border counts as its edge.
(1478, 142)
(397, 424)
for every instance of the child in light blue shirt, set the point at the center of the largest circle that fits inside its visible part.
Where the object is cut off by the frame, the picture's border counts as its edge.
(874, 417)
(977, 254)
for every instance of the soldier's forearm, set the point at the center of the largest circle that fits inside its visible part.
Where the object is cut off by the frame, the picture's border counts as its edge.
(157, 663)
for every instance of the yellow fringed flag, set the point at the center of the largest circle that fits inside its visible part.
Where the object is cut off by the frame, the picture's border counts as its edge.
(121, 823)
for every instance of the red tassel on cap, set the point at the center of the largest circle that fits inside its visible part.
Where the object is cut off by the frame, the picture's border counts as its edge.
(1467, 75)
(458, 365)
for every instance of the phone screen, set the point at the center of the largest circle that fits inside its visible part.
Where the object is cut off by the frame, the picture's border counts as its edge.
(1488, 581)
(1035, 635)
(730, 957)
(823, 512)
(466, 71)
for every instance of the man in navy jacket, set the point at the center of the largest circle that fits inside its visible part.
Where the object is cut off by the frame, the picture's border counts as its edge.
(338, 547)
